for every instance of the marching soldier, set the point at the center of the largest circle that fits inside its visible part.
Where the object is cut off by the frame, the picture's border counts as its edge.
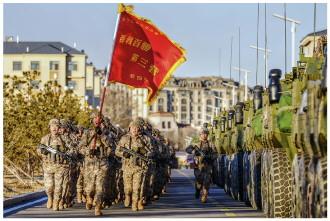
(96, 148)
(134, 169)
(55, 166)
(204, 156)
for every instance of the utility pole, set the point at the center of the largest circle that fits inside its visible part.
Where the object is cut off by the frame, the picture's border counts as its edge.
(293, 35)
(267, 52)
(245, 76)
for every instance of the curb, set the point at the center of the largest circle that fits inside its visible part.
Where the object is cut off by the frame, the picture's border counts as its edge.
(23, 198)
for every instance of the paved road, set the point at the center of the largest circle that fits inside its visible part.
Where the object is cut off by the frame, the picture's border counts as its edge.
(179, 201)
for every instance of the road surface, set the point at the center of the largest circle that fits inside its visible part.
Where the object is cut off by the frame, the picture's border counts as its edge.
(179, 201)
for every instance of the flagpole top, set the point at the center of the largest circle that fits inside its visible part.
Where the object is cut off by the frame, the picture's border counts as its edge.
(125, 8)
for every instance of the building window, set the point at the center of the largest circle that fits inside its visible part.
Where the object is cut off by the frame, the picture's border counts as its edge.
(208, 109)
(209, 102)
(183, 101)
(160, 101)
(199, 108)
(35, 65)
(73, 66)
(160, 108)
(199, 100)
(220, 94)
(72, 85)
(150, 108)
(54, 65)
(17, 66)
(169, 124)
(183, 116)
(184, 108)
(163, 125)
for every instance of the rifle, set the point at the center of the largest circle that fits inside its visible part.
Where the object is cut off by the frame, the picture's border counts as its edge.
(133, 153)
(54, 151)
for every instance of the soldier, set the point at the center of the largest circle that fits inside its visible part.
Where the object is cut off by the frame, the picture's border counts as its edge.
(55, 167)
(204, 157)
(96, 148)
(134, 169)
(81, 197)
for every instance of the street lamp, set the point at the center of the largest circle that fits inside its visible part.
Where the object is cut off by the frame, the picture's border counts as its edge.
(293, 35)
(245, 76)
(267, 52)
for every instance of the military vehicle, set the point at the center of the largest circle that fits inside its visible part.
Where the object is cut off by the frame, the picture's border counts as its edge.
(273, 149)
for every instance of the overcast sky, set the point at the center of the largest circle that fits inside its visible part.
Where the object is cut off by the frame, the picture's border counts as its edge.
(202, 29)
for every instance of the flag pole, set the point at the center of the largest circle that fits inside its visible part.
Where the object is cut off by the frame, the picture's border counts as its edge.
(107, 77)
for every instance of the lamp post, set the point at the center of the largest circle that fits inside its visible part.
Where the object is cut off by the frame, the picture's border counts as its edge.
(267, 52)
(293, 35)
(245, 78)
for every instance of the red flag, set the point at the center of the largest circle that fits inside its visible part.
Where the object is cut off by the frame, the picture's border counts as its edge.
(143, 56)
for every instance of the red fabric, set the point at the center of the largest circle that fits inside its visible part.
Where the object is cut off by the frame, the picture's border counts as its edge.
(143, 56)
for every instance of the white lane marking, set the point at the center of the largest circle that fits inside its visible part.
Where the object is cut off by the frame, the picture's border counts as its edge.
(24, 205)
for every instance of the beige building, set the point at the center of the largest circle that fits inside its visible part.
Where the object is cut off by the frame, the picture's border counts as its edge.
(55, 61)
(307, 43)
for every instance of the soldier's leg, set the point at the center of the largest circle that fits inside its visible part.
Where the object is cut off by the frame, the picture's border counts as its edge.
(65, 191)
(198, 183)
(80, 185)
(89, 181)
(49, 183)
(101, 178)
(207, 179)
(137, 181)
(143, 190)
(61, 174)
(128, 185)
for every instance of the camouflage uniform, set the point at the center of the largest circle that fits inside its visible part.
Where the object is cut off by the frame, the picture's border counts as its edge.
(81, 197)
(55, 167)
(134, 169)
(96, 167)
(203, 168)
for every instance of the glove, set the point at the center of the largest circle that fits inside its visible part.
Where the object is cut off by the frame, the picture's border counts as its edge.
(43, 151)
(197, 153)
(126, 155)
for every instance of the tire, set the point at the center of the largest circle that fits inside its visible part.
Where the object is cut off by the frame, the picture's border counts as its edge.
(234, 177)
(265, 182)
(222, 169)
(228, 175)
(246, 178)
(310, 186)
(320, 190)
(303, 168)
(255, 179)
(295, 187)
(280, 178)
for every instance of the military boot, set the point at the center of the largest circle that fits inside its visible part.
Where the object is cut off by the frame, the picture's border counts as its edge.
(61, 205)
(98, 208)
(89, 203)
(204, 196)
(127, 201)
(83, 198)
(134, 206)
(49, 202)
(55, 205)
(140, 205)
(79, 197)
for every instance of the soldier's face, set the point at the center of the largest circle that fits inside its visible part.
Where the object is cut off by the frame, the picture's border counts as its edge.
(203, 136)
(54, 129)
(134, 130)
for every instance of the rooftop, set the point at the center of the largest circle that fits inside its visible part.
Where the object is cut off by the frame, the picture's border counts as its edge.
(37, 47)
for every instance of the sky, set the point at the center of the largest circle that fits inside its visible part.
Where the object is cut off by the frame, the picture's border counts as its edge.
(204, 30)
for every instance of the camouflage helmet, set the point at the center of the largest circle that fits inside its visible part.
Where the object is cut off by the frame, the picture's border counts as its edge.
(64, 123)
(204, 131)
(54, 121)
(135, 123)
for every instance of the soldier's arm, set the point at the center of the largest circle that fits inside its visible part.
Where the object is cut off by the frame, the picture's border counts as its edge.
(43, 141)
(121, 143)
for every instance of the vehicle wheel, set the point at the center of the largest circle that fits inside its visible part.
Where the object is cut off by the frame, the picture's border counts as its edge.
(265, 181)
(295, 187)
(320, 191)
(303, 168)
(246, 178)
(255, 179)
(280, 178)
(310, 186)
(222, 169)
(234, 177)
(227, 174)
